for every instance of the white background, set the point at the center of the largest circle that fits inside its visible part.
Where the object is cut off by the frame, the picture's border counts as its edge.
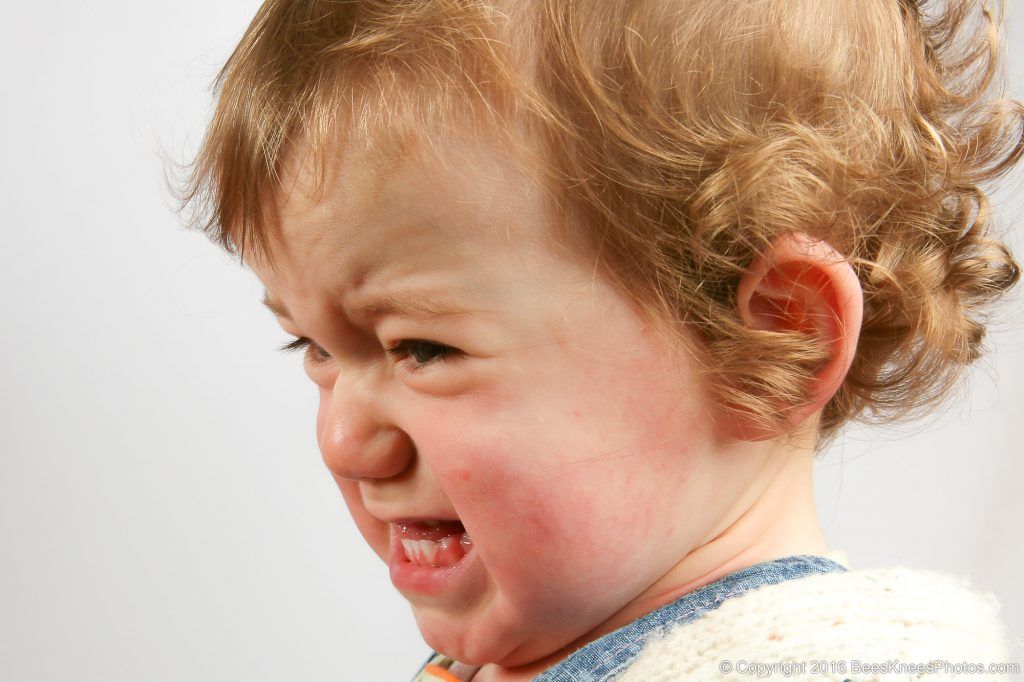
(164, 514)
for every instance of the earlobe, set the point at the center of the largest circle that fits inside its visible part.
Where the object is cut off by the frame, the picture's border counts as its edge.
(804, 285)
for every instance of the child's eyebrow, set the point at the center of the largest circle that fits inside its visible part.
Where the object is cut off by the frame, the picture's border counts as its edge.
(275, 307)
(387, 303)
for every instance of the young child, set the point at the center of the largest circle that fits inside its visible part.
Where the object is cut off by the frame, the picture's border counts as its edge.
(585, 284)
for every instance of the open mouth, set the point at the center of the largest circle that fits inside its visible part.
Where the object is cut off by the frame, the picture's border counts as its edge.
(436, 543)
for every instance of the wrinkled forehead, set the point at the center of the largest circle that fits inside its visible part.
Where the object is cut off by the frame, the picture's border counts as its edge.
(444, 218)
(400, 181)
(356, 179)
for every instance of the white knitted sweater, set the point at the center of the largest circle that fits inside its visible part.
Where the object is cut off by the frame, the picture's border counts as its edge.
(835, 626)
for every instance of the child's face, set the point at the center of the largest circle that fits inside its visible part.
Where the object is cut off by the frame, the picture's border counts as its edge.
(570, 441)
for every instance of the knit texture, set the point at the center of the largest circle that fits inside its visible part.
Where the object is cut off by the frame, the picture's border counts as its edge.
(871, 616)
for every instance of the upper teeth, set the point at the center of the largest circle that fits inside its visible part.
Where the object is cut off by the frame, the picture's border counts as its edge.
(420, 550)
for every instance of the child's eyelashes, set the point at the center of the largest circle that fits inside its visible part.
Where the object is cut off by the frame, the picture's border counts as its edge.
(314, 353)
(420, 352)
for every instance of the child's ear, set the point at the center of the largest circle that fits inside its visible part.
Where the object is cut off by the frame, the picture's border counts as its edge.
(804, 285)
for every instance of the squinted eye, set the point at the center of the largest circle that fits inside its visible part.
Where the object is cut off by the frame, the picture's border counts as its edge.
(422, 353)
(419, 352)
(314, 353)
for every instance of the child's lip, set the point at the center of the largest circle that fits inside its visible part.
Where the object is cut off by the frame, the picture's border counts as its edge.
(412, 529)
(432, 581)
(427, 520)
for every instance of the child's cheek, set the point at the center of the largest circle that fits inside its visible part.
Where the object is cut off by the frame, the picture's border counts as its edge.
(547, 500)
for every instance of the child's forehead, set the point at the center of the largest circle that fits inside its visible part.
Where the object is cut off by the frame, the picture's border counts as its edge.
(420, 187)
(413, 189)
(362, 179)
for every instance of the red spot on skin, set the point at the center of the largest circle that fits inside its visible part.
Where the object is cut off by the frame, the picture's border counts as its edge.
(464, 474)
(578, 413)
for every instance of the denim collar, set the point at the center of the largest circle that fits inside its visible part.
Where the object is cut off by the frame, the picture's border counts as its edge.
(608, 656)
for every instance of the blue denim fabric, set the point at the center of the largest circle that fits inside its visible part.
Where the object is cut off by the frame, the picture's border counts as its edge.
(608, 656)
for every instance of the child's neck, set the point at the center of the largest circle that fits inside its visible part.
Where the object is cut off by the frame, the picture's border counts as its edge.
(775, 518)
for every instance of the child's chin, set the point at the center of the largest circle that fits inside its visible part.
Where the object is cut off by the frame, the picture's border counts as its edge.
(468, 640)
(476, 641)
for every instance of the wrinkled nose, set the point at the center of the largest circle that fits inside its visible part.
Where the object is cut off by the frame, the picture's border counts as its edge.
(357, 440)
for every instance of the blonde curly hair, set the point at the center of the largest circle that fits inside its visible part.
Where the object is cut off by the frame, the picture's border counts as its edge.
(683, 138)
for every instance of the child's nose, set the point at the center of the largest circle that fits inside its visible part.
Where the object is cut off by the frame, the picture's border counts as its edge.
(357, 440)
